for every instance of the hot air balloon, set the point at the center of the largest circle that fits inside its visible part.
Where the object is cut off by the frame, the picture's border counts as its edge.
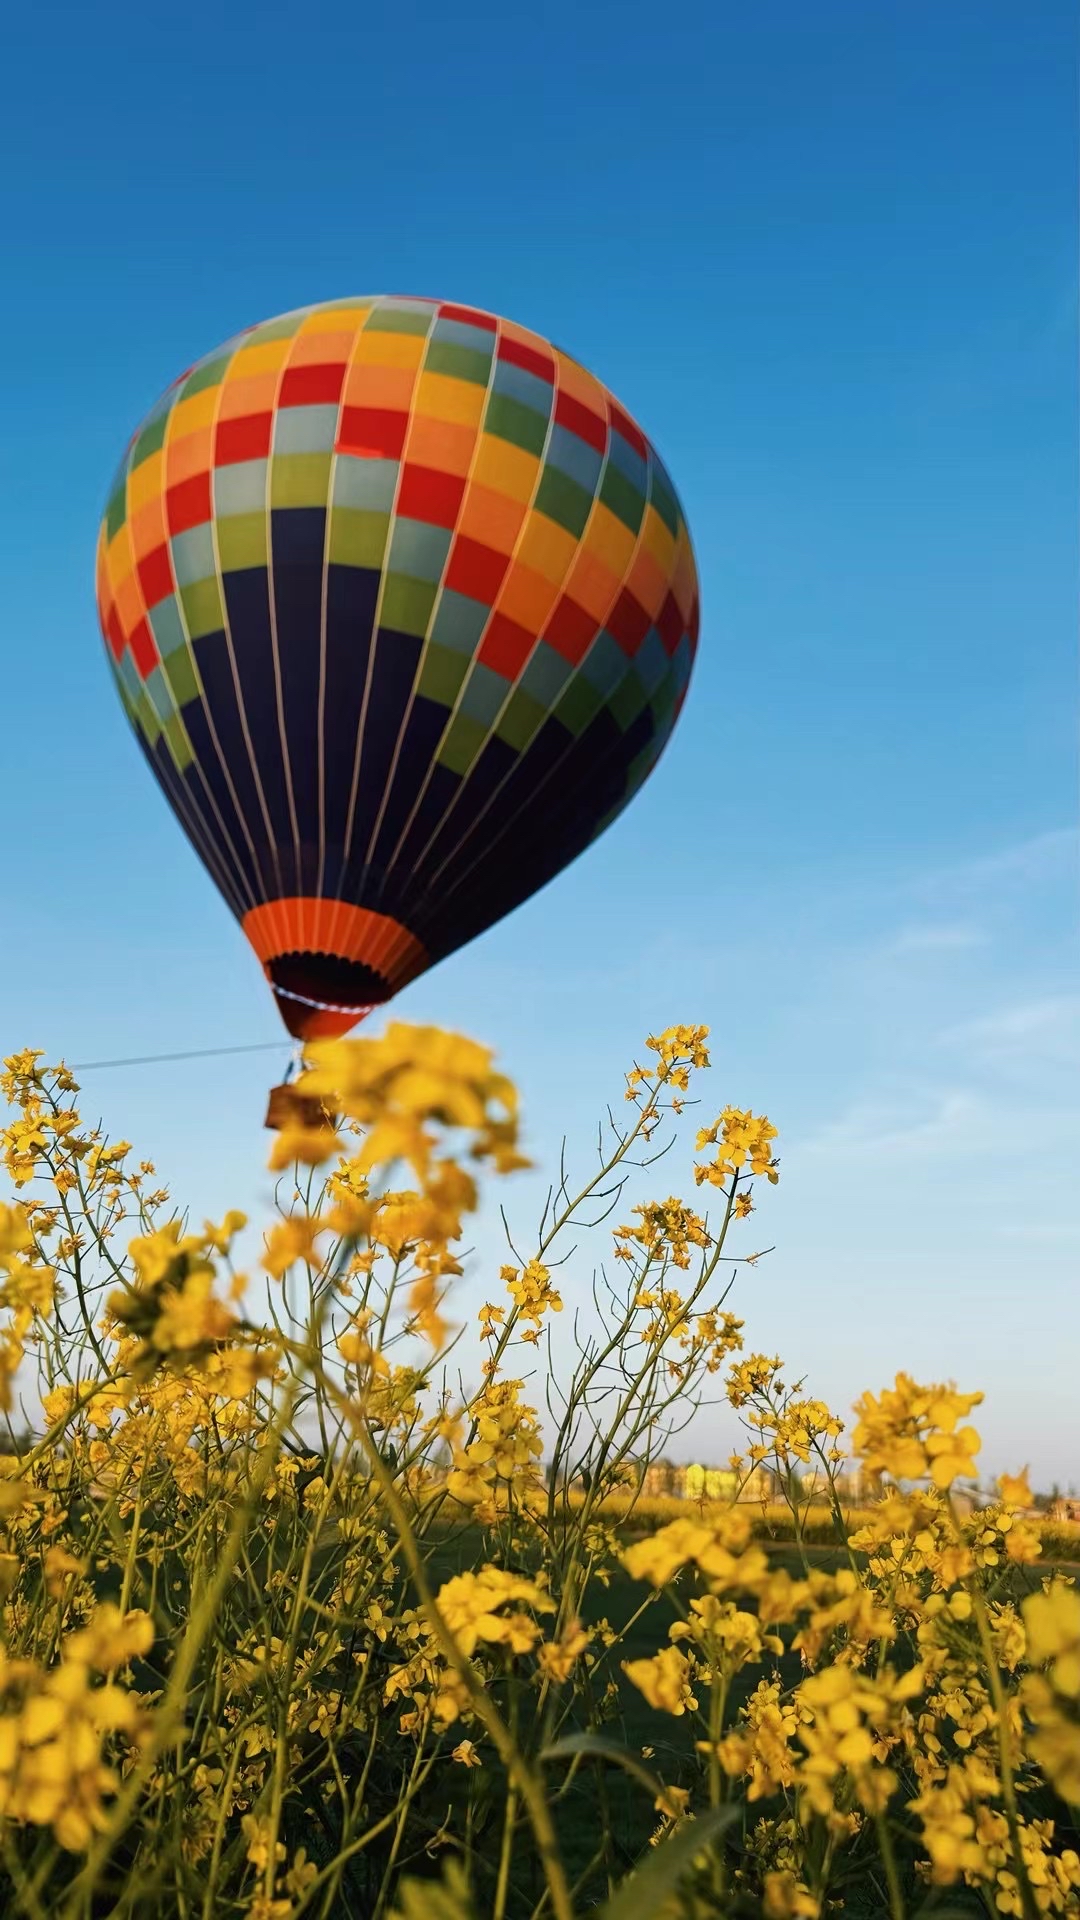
(402, 606)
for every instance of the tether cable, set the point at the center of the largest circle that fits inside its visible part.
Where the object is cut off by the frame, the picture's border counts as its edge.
(160, 1059)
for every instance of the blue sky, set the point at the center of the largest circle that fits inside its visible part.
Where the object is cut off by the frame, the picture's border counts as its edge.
(828, 258)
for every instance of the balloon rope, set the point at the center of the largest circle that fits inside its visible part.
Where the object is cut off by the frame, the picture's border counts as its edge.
(195, 1053)
(218, 1053)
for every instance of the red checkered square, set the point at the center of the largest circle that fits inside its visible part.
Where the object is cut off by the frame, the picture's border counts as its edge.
(670, 624)
(476, 570)
(506, 646)
(581, 420)
(631, 434)
(570, 630)
(312, 386)
(143, 651)
(469, 315)
(374, 432)
(519, 355)
(628, 622)
(114, 633)
(427, 494)
(188, 503)
(246, 438)
(156, 576)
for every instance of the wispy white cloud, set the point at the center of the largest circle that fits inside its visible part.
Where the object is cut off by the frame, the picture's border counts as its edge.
(1048, 1027)
(920, 1124)
(1040, 856)
(1046, 1233)
(937, 1052)
(935, 937)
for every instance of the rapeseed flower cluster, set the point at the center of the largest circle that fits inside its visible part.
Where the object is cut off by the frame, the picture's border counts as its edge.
(57, 1722)
(294, 1619)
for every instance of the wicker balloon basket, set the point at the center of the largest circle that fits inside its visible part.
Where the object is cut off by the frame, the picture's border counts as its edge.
(287, 1107)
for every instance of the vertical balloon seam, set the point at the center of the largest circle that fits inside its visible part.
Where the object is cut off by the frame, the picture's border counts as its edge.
(189, 800)
(456, 708)
(372, 662)
(441, 588)
(277, 412)
(379, 602)
(295, 357)
(246, 824)
(241, 815)
(350, 361)
(229, 353)
(425, 780)
(353, 360)
(163, 410)
(511, 819)
(381, 594)
(571, 743)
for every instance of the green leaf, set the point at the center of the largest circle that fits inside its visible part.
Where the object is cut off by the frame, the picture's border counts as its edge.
(934, 1911)
(593, 1746)
(642, 1896)
(432, 1900)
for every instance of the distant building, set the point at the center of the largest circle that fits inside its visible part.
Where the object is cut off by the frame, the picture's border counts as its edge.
(665, 1480)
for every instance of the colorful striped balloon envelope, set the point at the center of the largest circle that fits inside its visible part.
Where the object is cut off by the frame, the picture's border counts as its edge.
(402, 606)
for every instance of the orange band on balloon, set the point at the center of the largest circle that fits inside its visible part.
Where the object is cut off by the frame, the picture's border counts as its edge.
(333, 926)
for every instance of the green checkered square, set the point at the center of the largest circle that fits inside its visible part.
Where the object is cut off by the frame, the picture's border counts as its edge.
(300, 479)
(512, 421)
(399, 320)
(663, 501)
(176, 739)
(627, 701)
(461, 743)
(563, 501)
(282, 329)
(662, 707)
(623, 498)
(406, 604)
(202, 608)
(441, 674)
(520, 720)
(242, 541)
(357, 537)
(209, 376)
(579, 704)
(151, 440)
(147, 719)
(116, 511)
(463, 363)
(180, 672)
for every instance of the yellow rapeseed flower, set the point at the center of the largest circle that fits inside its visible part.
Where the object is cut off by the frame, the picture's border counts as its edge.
(665, 1680)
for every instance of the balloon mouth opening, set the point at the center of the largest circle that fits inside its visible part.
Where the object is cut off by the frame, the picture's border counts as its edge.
(320, 994)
